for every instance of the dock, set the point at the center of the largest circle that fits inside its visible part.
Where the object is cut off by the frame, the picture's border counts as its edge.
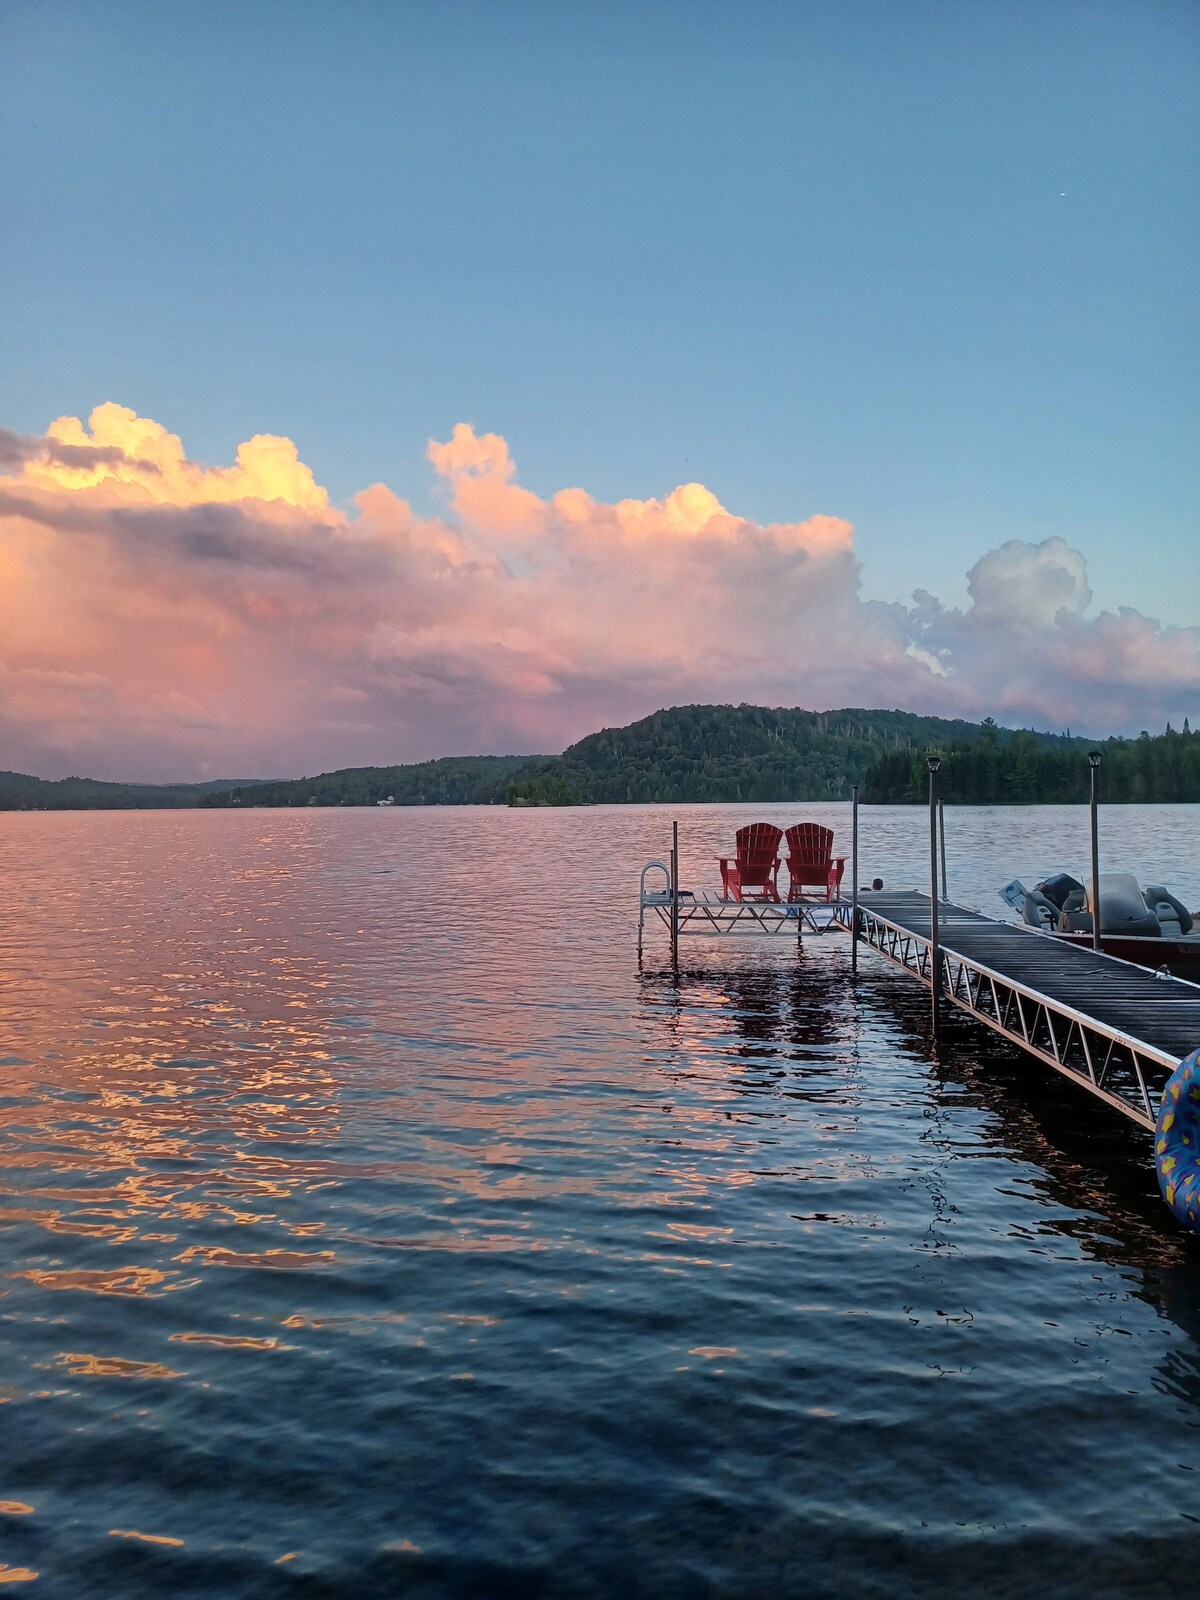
(705, 911)
(1128, 1035)
(1117, 1030)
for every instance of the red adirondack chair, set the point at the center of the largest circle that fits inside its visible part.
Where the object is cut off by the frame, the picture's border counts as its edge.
(810, 860)
(751, 873)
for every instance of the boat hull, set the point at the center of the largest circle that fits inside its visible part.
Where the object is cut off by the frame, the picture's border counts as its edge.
(1180, 956)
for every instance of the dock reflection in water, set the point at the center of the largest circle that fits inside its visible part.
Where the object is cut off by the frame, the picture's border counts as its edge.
(348, 1251)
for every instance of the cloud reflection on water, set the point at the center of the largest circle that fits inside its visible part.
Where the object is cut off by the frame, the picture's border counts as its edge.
(478, 1240)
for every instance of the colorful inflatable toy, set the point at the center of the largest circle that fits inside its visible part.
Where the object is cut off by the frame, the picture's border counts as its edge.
(1177, 1142)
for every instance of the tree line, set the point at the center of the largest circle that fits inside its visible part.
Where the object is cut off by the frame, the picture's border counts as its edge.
(986, 771)
(743, 754)
(21, 792)
(746, 754)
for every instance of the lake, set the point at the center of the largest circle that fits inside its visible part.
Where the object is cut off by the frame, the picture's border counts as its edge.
(372, 1226)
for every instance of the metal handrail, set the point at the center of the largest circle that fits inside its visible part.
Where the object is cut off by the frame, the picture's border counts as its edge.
(1118, 1035)
(651, 866)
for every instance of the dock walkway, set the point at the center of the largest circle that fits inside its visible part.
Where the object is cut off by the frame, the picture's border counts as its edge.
(1117, 1029)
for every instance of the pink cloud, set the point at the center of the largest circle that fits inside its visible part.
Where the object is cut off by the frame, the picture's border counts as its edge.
(479, 471)
(162, 618)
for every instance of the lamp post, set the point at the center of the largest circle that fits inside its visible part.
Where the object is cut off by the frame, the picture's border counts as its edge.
(675, 898)
(932, 766)
(853, 879)
(1094, 769)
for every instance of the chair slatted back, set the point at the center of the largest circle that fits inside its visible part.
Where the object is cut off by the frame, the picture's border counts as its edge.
(809, 853)
(757, 852)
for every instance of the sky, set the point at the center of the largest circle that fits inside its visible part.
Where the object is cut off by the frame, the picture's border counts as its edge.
(385, 381)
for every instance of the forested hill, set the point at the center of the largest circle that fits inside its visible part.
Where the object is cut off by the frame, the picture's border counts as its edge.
(452, 781)
(20, 792)
(730, 753)
(734, 753)
(750, 753)
(1016, 771)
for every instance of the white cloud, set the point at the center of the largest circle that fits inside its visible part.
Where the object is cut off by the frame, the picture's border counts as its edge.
(187, 618)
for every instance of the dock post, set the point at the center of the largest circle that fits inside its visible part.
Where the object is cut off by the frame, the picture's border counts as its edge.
(932, 764)
(942, 843)
(854, 879)
(1094, 768)
(675, 898)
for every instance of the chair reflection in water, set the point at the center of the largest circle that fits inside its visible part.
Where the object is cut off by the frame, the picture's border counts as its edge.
(811, 862)
(751, 873)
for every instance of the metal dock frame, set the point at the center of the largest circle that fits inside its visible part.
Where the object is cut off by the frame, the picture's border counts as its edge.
(707, 913)
(1107, 1061)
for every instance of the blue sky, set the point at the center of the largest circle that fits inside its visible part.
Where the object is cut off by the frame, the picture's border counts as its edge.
(926, 266)
(923, 267)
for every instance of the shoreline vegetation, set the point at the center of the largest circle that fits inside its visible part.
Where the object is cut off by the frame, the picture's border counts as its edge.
(983, 772)
(20, 792)
(742, 754)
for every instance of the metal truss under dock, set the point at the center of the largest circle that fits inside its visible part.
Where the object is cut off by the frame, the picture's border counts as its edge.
(1116, 1029)
(707, 912)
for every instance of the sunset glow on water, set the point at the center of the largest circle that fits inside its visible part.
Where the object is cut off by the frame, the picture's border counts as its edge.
(372, 1223)
(414, 419)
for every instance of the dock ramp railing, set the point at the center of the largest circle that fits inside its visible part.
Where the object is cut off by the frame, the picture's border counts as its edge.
(1111, 1063)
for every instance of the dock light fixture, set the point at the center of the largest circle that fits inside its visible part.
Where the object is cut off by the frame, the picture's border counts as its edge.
(1094, 774)
(932, 767)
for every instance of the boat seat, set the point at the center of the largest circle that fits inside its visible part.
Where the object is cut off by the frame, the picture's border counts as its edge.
(1039, 911)
(1174, 918)
(1076, 920)
(1122, 908)
(1060, 888)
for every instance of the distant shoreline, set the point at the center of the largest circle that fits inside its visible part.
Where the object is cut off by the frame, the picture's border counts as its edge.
(710, 754)
(741, 806)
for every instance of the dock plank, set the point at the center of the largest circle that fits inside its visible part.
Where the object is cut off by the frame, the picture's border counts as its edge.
(1162, 1013)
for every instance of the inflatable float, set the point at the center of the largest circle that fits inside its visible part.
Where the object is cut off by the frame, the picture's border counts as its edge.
(1177, 1142)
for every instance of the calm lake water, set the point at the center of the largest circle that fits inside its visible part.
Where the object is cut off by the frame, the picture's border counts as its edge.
(371, 1226)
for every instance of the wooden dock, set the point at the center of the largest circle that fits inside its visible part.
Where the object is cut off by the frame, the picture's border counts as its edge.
(1118, 1030)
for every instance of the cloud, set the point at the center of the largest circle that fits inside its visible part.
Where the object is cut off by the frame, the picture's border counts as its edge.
(18, 448)
(134, 459)
(1028, 586)
(161, 618)
(479, 472)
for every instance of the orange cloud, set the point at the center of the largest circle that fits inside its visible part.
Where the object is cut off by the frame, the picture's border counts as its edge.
(135, 458)
(160, 617)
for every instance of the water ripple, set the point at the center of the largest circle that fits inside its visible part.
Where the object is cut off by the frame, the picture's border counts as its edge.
(373, 1226)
